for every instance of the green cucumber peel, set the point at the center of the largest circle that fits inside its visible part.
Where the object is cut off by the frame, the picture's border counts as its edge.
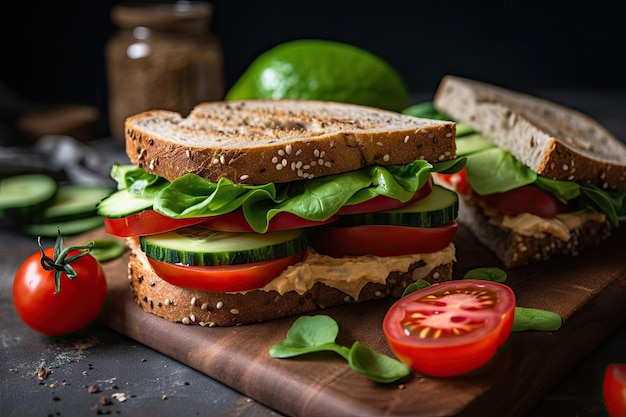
(309, 334)
(105, 250)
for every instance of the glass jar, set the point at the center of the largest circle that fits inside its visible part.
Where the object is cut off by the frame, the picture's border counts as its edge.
(162, 57)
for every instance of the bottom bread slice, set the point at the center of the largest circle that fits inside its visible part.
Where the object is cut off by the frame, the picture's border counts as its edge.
(157, 296)
(516, 249)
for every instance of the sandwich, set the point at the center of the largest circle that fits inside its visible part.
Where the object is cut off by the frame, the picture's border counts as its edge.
(246, 211)
(541, 180)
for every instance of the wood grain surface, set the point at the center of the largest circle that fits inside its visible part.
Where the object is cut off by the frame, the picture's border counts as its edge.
(587, 291)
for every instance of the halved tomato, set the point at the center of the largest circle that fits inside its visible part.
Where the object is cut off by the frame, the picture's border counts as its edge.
(527, 199)
(382, 202)
(226, 278)
(146, 222)
(383, 240)
(450, 328)
(614, 389)
(235, 221)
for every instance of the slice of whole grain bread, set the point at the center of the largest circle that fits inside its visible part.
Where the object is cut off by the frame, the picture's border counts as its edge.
(263, 141)
(553, 140)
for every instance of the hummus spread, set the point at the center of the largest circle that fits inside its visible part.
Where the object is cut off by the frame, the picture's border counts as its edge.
(559, 226)
(351, 274)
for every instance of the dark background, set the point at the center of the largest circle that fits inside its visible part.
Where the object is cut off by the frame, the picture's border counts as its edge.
(53, 51)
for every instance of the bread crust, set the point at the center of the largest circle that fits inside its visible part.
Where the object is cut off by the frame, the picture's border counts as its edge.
(554, 141)
(262, 141)
(515, 249)
(195, 307)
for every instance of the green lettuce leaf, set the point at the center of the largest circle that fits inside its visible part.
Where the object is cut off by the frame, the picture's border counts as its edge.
(494, 170)
(316, 199)
(137, 181)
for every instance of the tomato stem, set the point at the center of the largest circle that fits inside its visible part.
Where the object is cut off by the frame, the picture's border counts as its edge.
(61, 262)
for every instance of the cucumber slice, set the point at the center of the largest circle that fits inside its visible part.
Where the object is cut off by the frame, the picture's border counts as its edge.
(68, 228)
(441, 206)
(197, 245)
(23, 195)
(72, 202)
(121, 204)
(105, 250)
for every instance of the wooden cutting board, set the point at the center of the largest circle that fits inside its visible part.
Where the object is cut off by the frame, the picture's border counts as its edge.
(587, 291)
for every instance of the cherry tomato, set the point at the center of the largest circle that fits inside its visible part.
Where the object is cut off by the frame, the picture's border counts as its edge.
(382, 202)
(457, 181)
(226, 277)
(527, 199)
(146, 222)
(383, 240)
(450, 328)
(235, 221)
(59, 305)
(614, 389)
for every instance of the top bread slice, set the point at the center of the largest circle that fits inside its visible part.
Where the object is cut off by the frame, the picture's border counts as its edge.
(263, 141)
(553, 140)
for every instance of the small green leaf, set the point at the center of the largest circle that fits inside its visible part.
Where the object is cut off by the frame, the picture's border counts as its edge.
(602, 201)
(308, 334)
(487, 274)
(494, 170)
(527, 318)
(414, 286)
(450, 166)
(376, 366)
(563, 190)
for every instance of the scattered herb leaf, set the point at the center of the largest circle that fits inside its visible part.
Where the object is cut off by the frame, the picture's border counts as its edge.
(487, 273)
(375, 365)
(318, 333)
(527, 318)
(309, 334)
(414, 286)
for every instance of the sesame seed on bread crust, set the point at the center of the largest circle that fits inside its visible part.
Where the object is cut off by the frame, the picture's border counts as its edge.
(553, 140)
(263, 141)
(194, 307)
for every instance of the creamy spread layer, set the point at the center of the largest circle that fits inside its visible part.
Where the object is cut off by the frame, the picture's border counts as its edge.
(348, 274)
(351, 274)
(559, 226)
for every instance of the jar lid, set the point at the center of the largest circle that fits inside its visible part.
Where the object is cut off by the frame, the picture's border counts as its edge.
(159, 15)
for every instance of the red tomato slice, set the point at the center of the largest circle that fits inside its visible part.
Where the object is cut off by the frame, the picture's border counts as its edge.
(224, 278)
(450, 328)
(382, 202)
(235, 221)
(527, 199)
(383, 240)
(457, 181)
(146, 222)
(614, 389)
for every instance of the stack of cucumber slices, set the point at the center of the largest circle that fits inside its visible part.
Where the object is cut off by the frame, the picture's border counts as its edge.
(39, 205)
